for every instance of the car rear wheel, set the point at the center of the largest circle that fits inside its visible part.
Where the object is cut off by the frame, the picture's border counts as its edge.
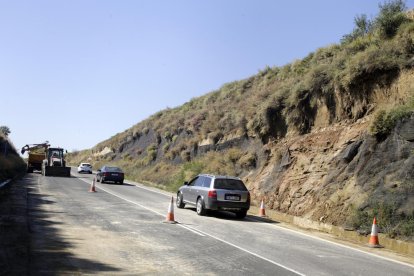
(241, 214)
(179, 201)
(201, 211)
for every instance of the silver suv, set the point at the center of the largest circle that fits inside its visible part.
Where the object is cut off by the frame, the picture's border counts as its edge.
(213, 192)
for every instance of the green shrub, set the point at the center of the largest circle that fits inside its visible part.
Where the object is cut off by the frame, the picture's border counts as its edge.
(363, 26)
(390, 18)
(248, 160)
(152, 154)
(359, 219)
(385, 25)
(390, 221)
(384, 122)
(167, 135)
(165, 147)
(152, 147)
(408, 185)
(217, 163)
(187, 172)
(406, 228)
(233, 155)
(319, 79)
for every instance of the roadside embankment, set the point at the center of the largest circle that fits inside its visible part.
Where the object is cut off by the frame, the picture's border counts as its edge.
(14, 241)
(11, 164)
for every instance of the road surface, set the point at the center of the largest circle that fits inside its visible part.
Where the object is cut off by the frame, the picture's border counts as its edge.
(119, 230)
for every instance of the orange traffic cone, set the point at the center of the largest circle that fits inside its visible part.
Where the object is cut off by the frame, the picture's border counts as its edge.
(92, 188)
(170, 215)
(373, 240)
(262, 212)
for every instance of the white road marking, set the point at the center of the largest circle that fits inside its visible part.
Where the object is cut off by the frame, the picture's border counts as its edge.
(154, 191)
(279, 227)
(146, 208)
(196, 231)
(309, 236)
(202, 233)
(252, 253)
(332, 242)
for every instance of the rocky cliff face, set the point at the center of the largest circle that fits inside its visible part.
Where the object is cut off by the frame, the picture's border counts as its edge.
(324, 174)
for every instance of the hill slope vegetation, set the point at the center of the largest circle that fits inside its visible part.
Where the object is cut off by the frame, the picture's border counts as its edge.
(329, 137)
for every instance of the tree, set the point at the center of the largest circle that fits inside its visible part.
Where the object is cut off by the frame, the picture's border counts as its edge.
(5, 130)
(390, 18)
(386, 24)
(363, 26)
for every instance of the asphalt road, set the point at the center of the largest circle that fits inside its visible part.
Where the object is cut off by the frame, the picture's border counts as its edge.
(119, 230)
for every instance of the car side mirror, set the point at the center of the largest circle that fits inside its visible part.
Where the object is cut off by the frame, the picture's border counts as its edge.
(186, 183)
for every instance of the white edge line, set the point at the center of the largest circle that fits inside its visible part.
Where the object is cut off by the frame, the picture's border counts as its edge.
(310, 236)
(146, 208)
(151, 190)
(280, 227)
(307, 235)
(336, 243)
(130, 201)
(252, 253)
(198, 232)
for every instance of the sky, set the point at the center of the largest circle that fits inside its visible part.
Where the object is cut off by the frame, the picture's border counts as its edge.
(76, 72)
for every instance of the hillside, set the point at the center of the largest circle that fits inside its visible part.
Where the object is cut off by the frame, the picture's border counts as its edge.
(11, 164)
(329, 137)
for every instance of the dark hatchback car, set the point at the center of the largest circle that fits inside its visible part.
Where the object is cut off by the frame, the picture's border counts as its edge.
(214, 192)
(113, 174)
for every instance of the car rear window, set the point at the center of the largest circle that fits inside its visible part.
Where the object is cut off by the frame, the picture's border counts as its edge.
(229, 184)
(113, 169)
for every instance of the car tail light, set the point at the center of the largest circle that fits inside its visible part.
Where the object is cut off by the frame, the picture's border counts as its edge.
(106, 174)
(212, 194)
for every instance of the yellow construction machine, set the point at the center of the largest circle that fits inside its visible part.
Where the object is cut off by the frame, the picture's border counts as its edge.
(50, 161)
(37, 153)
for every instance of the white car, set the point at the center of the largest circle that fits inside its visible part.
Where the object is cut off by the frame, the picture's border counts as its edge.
(85, 168)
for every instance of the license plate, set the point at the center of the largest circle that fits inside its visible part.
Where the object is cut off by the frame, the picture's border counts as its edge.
(114, 174)
(232, 197)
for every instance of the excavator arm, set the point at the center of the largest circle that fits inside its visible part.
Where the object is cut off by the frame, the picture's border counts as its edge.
(34, 147)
